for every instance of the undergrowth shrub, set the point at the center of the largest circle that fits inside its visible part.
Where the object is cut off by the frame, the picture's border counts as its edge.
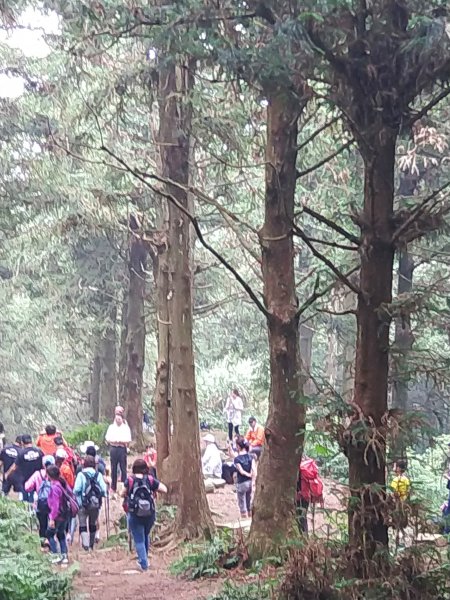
(261, 590)
(321, 572)
(26, 573)
(207, 559)
(94, 432)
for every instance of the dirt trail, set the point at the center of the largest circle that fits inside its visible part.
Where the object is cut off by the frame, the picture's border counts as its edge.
(112, 573)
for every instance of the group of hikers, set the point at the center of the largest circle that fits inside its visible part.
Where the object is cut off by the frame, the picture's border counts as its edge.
(64, 487)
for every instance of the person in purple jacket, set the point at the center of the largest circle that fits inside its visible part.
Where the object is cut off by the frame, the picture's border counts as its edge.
(58, 517)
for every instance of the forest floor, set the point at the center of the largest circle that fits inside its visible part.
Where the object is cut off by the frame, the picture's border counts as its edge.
(112, 573)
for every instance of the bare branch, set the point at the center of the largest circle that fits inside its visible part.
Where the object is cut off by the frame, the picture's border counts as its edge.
(319, 294)
(426, 109)
(325, 260)
(312, 213)
(318, 132)
(417, 212)
(325, 160)
(195, 224)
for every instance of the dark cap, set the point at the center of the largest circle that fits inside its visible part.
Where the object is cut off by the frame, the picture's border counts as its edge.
(59, 441)
(26, 439)
(252, 419)
(19, 439)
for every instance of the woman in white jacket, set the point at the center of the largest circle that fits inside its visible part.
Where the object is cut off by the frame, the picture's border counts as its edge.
(233, 409)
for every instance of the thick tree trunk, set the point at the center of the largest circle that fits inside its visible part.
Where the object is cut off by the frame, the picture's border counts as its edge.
(108, 378)
(135, 343)
(163, 367)
(183, 466)
(123, 347)
(366, 435)
(95, 388)
(273, 515)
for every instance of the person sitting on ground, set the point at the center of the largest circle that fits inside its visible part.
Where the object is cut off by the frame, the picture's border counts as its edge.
(58, 518)
(8, 457)
(89, 490)
(118, 437)
(139, 503)
(211, 459)
(46, 440)
(65, 468)
(40, 483)
(401, 483)
(255, 436)
(29, 460)
(244, 474)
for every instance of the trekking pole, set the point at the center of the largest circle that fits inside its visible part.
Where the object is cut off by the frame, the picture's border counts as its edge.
(107, 512)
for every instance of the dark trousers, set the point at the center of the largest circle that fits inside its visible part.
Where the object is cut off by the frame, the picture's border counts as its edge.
(43, 524)
(118, 456)
(230, 431)
(302, 515)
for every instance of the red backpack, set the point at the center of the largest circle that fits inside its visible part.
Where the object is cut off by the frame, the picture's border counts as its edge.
(311, 486)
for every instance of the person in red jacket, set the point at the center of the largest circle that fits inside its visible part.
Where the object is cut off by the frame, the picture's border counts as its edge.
(309, 490)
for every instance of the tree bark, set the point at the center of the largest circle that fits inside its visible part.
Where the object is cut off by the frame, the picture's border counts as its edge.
(123, 346)
(366, 447)
(108, 377)
(273, 516)
(95, 388)
(182, 468)
(135, 342)
(163, 367)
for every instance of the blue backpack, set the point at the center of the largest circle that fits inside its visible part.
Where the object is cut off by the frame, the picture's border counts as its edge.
(42, 502)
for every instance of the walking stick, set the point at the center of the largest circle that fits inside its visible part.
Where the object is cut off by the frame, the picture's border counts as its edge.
(107, 512)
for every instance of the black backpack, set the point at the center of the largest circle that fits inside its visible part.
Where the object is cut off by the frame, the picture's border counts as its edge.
(140, 498)
(92, 495)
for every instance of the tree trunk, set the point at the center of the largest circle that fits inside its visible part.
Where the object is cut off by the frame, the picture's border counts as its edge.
(366, 447)
(135, 343)
(95, 388)
(183, 466)
(273, 516)
(163, 367)
(123, 347)
(108, 378)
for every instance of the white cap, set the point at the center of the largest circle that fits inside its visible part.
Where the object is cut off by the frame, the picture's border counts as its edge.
(61, 453)
(87, 444)
(209, 438)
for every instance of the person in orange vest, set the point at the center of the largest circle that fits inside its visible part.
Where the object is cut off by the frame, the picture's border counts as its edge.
(46, 440)
(255, 437)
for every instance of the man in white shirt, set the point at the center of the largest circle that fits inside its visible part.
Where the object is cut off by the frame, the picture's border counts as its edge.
(211, 459)
(118, 437)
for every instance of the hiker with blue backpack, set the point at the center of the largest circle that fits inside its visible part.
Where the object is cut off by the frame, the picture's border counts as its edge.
(90, 489)
(139, 494)
(39, 483)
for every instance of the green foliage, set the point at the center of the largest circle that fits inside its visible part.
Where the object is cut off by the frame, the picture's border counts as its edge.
(261, 590)
(94, 432)
(26, 573)
(207, 559)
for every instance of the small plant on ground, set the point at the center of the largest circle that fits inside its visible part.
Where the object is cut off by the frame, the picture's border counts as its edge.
(261, 590)
(26, 573)
(207, 559)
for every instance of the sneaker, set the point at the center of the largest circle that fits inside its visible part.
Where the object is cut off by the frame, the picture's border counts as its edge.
(64, 560)
(57, 560)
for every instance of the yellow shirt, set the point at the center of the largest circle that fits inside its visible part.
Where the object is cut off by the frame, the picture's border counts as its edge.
(401, 486)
